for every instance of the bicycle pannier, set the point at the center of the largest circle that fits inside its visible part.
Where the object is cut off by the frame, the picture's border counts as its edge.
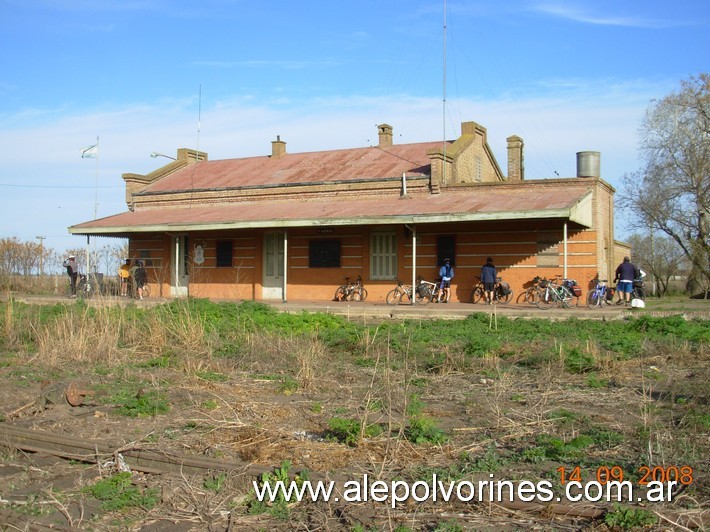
(577, 290)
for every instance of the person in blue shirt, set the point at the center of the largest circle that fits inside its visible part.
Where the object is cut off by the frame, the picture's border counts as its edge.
(626, 272)
(489, 275)
(446, 272)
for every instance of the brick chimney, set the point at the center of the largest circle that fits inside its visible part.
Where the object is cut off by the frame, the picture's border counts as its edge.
(516, 164)
(385, 133)
(278, 147)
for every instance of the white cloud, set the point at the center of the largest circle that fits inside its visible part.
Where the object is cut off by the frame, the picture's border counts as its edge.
(587, 16)
(41, 149)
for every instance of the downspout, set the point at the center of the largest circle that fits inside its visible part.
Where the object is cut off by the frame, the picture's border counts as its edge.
(177, 264)
(88, 255)
(285, 288)
(564, 250)
(413, 229)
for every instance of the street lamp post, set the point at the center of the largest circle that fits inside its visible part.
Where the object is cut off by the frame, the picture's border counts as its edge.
(158, 154)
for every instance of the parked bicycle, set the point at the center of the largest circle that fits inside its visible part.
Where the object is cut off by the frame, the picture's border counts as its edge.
(86, 286)
(428, 292)
(600, 295)
(394, 296)
(556, 292)
(638, 291)
(502, 293)
(530, 295)
(351, 291)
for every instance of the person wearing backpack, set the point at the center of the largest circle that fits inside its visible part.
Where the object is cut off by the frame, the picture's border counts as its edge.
(140, 278)
(73, 272)
(446, 272)
(626, 272)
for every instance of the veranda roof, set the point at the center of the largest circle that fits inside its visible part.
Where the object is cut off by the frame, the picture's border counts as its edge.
(567, 201)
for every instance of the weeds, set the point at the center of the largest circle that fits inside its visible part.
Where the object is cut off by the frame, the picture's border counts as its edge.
(118, 492)
(423, 429)
(140, 404)
(350, 431)
(527, 397)
(626, 518)
(277, 506)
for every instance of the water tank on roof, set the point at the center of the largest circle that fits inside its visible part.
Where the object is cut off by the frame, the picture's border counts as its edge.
(588, 164)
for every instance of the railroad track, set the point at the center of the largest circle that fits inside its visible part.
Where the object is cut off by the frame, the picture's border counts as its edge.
(97, 451)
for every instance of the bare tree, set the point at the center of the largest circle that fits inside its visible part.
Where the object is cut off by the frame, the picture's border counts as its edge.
(671, 194)
(112, 256)
(659, 256)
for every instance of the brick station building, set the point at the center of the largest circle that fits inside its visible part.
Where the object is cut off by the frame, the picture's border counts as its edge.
(294, 226)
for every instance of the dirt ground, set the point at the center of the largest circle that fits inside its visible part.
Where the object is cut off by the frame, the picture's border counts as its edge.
(240, 413)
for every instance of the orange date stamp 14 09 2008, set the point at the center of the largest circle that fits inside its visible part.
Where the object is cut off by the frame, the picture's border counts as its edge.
(681, 474)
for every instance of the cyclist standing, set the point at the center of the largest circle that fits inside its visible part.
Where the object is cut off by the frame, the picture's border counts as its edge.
(446, 272)
(124, 272)
(140, 278)
(626, 272)
(489, 275)
(73, 273)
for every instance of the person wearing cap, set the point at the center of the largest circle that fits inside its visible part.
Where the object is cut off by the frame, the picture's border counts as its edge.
(140, 278)
(124, 273)
(73, 273)
(446, 272)
(626, 272)
(489, 276)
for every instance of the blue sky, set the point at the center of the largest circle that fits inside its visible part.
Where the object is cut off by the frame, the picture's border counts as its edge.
(227, 76)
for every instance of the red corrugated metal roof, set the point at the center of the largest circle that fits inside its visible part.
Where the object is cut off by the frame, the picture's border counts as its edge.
(500, 201)
(323, 166)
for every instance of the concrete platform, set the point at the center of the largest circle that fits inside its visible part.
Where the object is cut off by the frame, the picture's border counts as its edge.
(380, 310)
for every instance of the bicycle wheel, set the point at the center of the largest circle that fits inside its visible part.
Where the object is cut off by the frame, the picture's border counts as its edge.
(394, 296)
(359, 294)
(545, 298)
(424, 297)
(532, 295)
(593, 299)
(638, 293)
(504, 298)
(565, 297)
(340, 294)
(476, 294)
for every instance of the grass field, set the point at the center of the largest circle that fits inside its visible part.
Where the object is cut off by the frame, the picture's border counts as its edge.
(308, 394)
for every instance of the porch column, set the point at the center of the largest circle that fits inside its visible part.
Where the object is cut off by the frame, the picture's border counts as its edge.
(413, 229)
(285, 279)
(176, 269)
(564, 250)
(88, 257)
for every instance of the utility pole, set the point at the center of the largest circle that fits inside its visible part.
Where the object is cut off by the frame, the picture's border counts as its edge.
(41, 254)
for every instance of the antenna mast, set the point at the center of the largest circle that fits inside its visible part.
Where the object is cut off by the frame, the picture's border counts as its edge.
(443, 163)
(199, 120)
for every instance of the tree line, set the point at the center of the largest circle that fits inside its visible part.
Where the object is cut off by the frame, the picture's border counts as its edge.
(30, 258)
